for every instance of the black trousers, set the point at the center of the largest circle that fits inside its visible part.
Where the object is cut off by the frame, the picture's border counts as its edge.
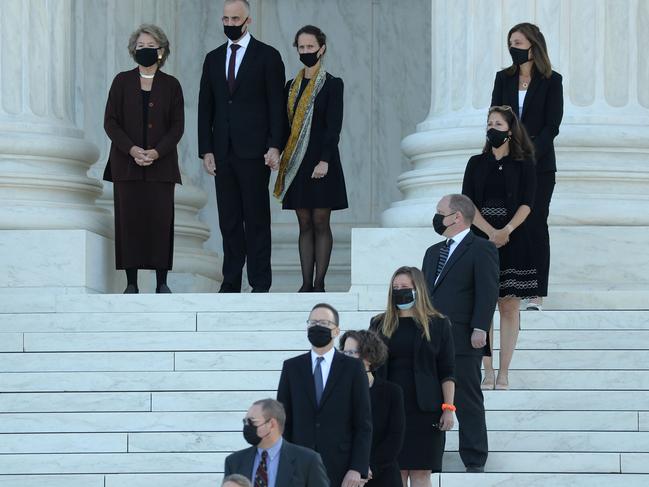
(470, 410)
(244, 219)
(537, 224)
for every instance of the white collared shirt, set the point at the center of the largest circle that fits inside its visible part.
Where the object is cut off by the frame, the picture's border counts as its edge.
(243, 42)
(325, 365)
(457, 239)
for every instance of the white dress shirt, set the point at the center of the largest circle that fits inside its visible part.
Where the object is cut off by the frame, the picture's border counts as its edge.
(243, 42)
(456, 241)
(521, 102)
(325, 365)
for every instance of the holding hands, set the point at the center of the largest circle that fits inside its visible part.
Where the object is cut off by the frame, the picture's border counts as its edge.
(143, 157)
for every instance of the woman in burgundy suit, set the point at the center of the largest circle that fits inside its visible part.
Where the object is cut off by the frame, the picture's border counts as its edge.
(144, 120)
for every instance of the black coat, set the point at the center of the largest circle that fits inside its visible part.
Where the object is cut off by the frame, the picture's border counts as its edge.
(298, 466)
(542, 111)
(433, 362)
(124, 126)
(340, 429)
(252, 118)
(388, 427)
(520, 181)
(467, 288)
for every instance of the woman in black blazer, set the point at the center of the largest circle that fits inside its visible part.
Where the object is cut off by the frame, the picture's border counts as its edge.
(421, 359)
(388, 417)
(535, 93)
(310, 178)
(501, 182)
(144, 120)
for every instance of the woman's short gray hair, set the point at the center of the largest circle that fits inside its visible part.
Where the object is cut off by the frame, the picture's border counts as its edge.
(240, 480)
(157, 33)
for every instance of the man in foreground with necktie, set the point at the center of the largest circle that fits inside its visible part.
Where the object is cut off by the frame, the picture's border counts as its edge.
(272, 461)
(327, 401)
(462, 274)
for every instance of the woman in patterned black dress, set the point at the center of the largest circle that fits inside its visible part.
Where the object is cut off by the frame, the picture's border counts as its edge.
(501, 182)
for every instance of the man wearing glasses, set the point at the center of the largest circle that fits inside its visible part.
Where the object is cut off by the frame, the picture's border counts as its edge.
(272, 461)
(327, 402)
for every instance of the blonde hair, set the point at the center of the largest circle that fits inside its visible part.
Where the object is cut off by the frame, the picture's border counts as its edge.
(157, 33)
(423, 310)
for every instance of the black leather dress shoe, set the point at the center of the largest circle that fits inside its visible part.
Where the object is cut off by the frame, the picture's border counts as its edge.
(228, 288)
(259, 290)
(163, 289)
(131, 289)
(475, 469)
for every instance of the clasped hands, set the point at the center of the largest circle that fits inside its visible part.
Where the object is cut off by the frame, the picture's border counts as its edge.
(500, 237)
(143, 157)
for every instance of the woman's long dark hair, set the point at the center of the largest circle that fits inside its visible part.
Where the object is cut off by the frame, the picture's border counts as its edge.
(521, 147)
(540, 58)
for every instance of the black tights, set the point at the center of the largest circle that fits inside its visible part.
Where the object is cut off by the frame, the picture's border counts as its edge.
(160, 277)
(315, 244)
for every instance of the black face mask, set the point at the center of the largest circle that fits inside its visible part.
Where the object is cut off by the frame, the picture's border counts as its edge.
(403, 298)
(519, 56)
(234, 32)
(309, 59)
(147, 56)
(250, 434)
(438, 223)
(319, 336)
(497, 137)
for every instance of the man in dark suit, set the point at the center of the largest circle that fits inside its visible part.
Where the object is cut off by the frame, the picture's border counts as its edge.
(272, 461)
(241, 120)
(463, 279)
(327, 402)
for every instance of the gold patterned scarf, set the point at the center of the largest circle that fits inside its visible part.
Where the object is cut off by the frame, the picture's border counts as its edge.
(300, 118)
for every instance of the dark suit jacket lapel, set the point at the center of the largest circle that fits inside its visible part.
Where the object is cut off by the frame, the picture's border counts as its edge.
(455, 256)
(286, 467)
(512, 91)
(246, 62)
(220, 66)
(536, 81)
(334, 374)
(248, 461)
(307, 377)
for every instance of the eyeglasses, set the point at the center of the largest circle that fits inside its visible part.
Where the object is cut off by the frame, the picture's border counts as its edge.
(250, 422)
(351, 353)
(325, 323)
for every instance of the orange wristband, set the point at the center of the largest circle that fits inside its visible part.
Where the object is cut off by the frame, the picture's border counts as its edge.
(448, 407)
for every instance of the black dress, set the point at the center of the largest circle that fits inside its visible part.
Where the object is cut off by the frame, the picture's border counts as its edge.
(518, 273)
(329, 191)
(144, 217)
(423, 446)
(388, 423)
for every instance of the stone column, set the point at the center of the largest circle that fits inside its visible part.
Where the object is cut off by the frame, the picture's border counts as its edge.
(599, 214)
(51, 233)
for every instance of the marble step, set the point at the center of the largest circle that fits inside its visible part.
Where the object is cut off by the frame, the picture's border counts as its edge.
(253, 320)
(19, 382)
(291, 340)
(111, 463)
(438, 480)
(64, 443)
(132, 422)
(174, 303)
(499, 441)
(272, 360)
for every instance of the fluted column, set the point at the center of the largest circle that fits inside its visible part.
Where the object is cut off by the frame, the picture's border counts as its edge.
(600, 200)
(43, 155)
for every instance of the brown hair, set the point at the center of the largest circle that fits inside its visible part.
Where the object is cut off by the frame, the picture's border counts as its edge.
(540, 59)
(314, 31)
(370, 346)
(157, 33)
(521, 146)
(423, 310)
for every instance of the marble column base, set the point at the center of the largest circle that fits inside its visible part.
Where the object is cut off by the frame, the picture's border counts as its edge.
(56, 261)
(592, 267)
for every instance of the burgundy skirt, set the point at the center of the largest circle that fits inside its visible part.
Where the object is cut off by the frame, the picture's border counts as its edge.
(144, 224)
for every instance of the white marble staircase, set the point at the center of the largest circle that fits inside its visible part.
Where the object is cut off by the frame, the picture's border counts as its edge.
(143, 391)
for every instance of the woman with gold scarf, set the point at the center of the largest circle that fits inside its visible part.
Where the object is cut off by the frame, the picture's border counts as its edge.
(310, 179)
